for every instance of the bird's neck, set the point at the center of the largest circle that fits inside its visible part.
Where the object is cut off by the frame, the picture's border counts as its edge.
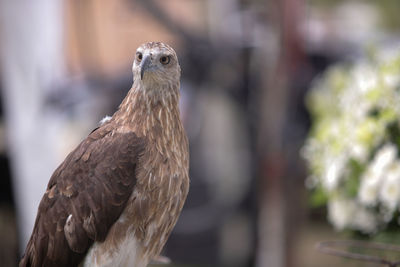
(144, 110)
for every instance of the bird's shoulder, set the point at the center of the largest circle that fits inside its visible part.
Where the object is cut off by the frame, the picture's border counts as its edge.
(104, 145)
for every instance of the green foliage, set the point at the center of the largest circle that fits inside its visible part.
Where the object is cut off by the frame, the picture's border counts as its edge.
(352, 184)
(318, 198)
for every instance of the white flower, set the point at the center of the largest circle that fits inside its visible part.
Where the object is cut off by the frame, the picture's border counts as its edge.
(333, 172)
(352, 109)
(340, 212)
(358, 151)
(347, 213)
(372, 179)
(365, 78)
(391, 80)
(390, 190)
(369, 187)
(383, 159)
(364, 220)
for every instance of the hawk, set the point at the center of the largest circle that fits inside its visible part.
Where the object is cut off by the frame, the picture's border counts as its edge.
(116, 198)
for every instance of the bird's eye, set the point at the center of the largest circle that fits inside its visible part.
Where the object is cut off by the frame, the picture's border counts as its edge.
(164, 60)
(139, 56)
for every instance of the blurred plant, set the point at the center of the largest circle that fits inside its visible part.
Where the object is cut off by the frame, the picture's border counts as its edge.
(353, 149)
(387, 8)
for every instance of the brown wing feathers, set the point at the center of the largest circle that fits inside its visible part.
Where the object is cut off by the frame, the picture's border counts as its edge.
(85, 196)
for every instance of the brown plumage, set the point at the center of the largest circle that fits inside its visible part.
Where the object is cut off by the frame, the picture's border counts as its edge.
(116, 197)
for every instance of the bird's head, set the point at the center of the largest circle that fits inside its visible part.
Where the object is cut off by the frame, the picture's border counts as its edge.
(156, 65)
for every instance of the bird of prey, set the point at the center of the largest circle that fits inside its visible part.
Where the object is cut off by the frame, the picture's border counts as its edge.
(116, 197)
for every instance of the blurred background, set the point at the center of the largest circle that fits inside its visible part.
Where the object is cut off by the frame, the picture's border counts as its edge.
(247, 66)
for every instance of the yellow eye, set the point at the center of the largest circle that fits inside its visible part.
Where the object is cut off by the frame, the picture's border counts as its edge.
(139, 56)
(164, 60)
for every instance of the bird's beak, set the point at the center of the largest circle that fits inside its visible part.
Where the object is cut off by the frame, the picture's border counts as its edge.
(144, 65)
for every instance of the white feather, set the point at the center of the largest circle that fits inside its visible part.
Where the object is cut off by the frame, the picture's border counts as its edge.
(104, 120)
(125, 255)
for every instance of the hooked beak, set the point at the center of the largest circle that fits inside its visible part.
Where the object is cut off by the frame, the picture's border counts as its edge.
(144, 65)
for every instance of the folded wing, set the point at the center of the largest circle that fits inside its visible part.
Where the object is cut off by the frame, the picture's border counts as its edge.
(85, 196)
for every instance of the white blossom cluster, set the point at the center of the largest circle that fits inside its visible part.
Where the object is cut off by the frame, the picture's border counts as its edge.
(353, 147)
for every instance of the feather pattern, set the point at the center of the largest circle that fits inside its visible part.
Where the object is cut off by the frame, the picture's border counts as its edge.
(90, 189)
(115, 198)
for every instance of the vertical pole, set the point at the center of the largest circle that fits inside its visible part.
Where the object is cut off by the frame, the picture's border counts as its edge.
(284, 17)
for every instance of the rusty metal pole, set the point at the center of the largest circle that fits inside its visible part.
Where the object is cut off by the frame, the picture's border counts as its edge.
(285, 16)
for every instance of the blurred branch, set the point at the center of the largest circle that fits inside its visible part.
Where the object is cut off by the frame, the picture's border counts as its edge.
(331, 248)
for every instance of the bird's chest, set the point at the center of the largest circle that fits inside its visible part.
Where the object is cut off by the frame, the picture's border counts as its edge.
(162, 187)
(159, 195)
(151, 212)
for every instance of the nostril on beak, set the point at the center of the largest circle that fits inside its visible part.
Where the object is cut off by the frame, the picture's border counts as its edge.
(144, 65)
